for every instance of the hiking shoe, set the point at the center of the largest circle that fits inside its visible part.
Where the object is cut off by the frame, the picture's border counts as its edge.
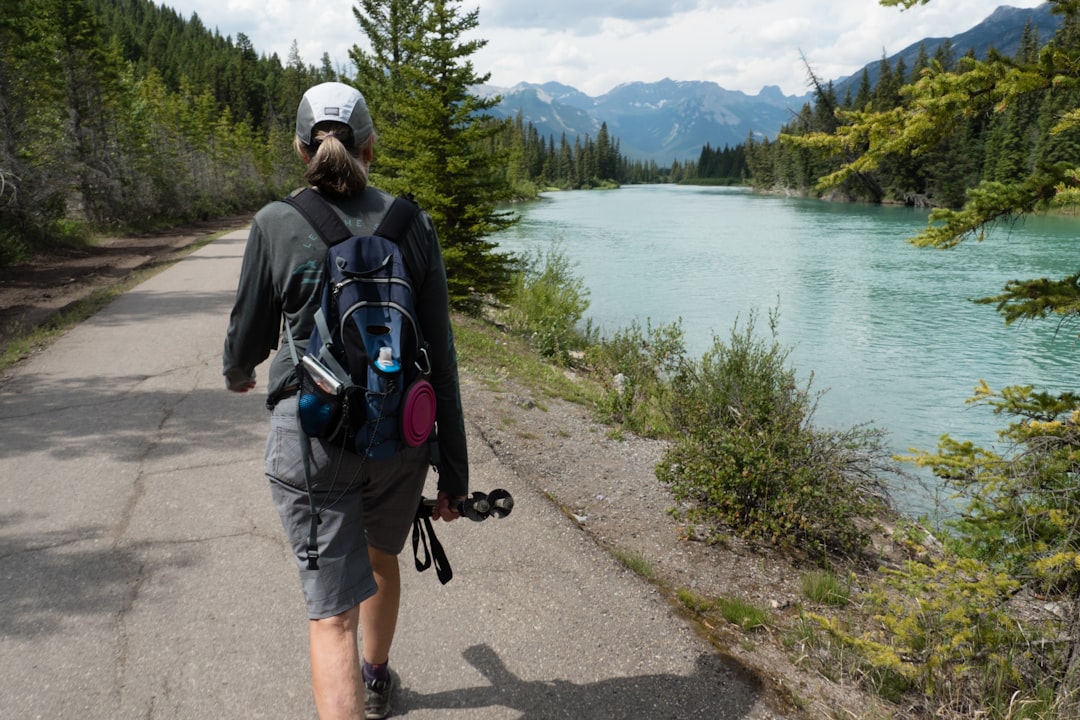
(377, 696)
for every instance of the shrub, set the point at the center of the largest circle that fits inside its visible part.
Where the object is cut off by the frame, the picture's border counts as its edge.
(945, 629)
(13, 247)
(747, 456)
(1019, 519)
(547, 303)
(1022, 512)
(635, 367)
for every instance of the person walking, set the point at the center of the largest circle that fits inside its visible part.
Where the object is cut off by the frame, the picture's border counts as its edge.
(365, 506)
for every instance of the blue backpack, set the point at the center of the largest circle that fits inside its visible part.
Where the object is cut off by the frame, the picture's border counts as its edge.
(364, 378)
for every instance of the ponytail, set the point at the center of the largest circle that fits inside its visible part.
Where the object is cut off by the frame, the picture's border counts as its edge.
(334, 165)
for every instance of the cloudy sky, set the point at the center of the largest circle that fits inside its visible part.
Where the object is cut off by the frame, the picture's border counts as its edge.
(594, 46)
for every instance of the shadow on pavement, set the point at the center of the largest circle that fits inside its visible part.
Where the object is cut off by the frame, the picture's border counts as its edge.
(119, 417)
(52, 577)
(699, 695)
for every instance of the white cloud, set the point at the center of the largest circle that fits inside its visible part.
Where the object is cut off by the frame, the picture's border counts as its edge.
(594, 46)
(580, 17)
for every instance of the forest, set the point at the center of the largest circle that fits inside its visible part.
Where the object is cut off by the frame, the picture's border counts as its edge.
(122, 115)
(973, 148)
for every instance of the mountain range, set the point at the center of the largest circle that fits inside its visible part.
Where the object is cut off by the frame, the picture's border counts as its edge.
(672, 120)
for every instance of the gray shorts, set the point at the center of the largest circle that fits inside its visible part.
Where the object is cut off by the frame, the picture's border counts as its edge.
(361, 502)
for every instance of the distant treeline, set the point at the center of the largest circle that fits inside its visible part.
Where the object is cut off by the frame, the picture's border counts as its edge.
(580, 163)
(975, 148)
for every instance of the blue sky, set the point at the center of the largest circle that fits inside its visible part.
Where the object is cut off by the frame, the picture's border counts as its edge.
(594, 46)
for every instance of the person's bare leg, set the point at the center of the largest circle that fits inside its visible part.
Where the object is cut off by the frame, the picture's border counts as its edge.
(336, 678)
(379, 613)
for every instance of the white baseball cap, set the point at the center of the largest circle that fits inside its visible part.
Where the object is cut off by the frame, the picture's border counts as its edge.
(333, 101)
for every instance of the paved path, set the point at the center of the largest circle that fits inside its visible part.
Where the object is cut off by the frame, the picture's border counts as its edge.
(143, 572)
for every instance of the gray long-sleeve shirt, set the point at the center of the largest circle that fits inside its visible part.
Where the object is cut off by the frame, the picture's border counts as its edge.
(281, 276)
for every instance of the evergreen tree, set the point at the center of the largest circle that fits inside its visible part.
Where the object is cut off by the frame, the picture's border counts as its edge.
(565, 171)
(606, 158)
(863, 94)
(825, 107)
(922, 62)
(945, 56)
(295, 81)
(1014, 132)
(326, 71)
(535, 153)
(1059, 143)
(32, 191)
(440, 140)
(391, 28)
(886, 93)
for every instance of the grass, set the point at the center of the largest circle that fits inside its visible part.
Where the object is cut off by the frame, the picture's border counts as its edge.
(739, 612)
(692, 601)
(824, 588)
(736, 611)
(635, 562)
(495, 357)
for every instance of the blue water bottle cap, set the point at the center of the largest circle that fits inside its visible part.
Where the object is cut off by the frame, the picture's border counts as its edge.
(386, 361)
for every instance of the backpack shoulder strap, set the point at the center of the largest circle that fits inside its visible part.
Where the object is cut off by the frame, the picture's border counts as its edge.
(398, 218)
(320, 215)
(330, 227)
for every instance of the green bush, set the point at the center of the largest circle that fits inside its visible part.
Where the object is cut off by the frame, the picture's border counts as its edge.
(13, 248)
(747, 456)
(635, 366)
(1022, 508)
(946, 630)
(1018, 526)
(547, 303)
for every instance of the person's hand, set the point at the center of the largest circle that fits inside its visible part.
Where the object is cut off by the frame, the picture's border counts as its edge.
(239, 381)
(444, 505)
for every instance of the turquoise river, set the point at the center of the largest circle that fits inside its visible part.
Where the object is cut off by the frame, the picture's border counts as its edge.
(887, 329)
